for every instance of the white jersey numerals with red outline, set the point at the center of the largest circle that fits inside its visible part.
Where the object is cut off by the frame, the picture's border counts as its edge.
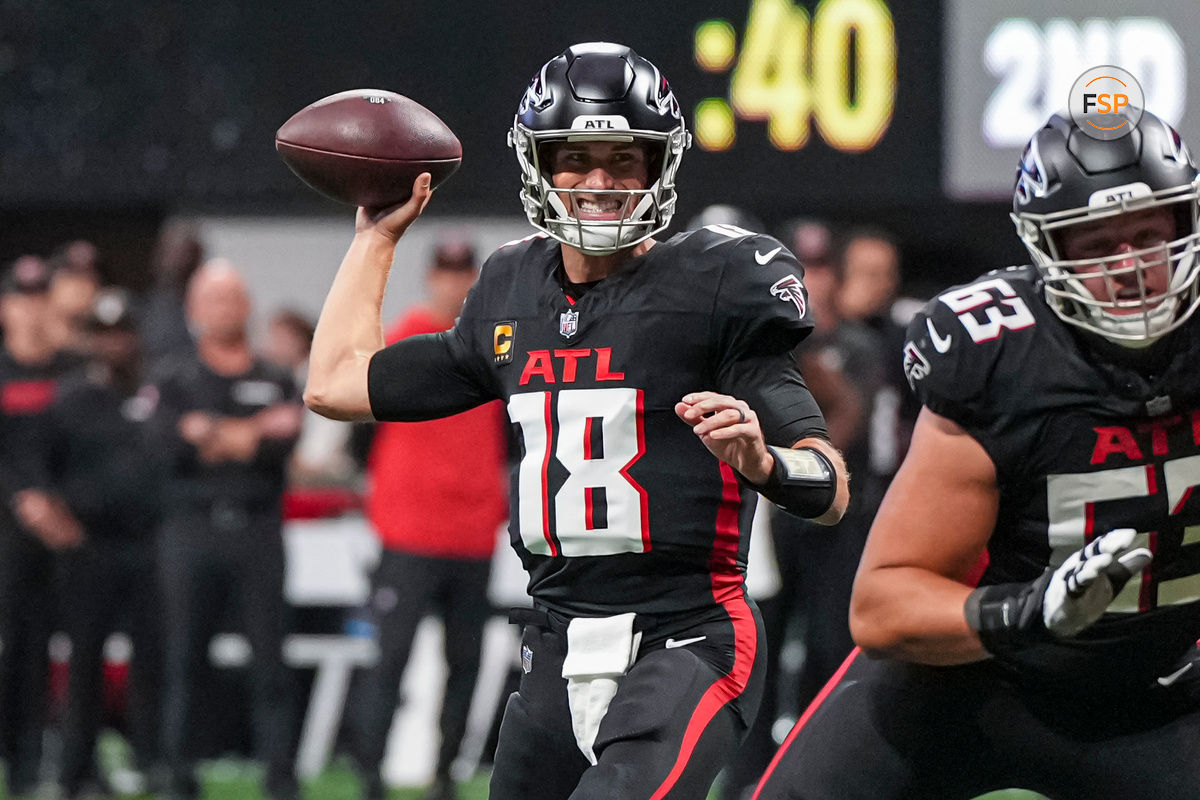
(596, 435)
(996, 300)
(1070, 499)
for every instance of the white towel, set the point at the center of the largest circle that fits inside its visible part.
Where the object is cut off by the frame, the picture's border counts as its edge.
(600, 650)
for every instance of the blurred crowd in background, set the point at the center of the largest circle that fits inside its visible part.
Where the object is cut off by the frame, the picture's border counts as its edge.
(156, 456)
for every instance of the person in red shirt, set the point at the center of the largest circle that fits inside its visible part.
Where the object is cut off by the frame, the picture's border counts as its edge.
(436, 497)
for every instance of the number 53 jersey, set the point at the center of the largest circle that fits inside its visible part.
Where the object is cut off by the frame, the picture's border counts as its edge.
(616, 505)
(1081, 445)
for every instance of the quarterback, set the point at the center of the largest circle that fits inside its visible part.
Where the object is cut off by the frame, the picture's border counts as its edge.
(651, 394)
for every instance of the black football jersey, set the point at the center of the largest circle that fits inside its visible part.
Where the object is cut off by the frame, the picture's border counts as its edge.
(26, 393)
(617, 505)
(1082, 445)
(187, 384)
(102, 457)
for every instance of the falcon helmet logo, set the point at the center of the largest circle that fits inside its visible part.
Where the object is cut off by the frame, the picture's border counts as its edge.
(916, 366)
(536, 95)
(790, 289)
(568, 323)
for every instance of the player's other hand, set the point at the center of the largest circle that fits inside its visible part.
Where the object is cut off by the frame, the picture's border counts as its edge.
(391, 222)
(729, 428)
(1082, 588)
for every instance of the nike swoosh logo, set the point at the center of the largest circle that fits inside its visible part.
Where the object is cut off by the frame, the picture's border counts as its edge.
(940, 343)
(763, 258)
(1167, 680)
(684, 642)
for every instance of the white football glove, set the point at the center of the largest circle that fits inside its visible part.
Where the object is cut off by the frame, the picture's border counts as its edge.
(1081, 589)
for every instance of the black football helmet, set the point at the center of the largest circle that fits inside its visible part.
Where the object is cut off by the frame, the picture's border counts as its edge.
(1068, 178)
(599, 92)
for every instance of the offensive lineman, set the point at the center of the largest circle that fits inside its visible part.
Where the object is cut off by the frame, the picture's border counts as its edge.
(626, 366)
(1060, 440)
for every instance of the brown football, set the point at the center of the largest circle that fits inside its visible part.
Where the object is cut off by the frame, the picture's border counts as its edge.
(367, 146)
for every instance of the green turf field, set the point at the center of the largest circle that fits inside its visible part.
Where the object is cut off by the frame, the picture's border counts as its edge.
(232, 780)
(238, 780)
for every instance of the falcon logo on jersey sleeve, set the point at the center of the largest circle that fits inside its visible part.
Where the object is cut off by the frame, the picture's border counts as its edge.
(916, 366)
(790, 289)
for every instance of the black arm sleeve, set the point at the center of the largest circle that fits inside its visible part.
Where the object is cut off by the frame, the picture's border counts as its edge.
(423, 377)
(760, 315)
(774, 388)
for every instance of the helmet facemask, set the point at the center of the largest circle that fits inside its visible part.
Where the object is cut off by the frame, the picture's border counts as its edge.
(599, 92)
(644, 212)
(1133, 298)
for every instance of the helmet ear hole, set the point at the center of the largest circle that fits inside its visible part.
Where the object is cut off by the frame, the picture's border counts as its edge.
(655, 158)
(546, 153)
(1185, 219)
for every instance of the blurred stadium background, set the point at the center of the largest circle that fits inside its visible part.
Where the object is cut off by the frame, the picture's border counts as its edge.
(119, 116)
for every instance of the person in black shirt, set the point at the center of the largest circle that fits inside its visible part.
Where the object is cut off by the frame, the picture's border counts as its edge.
(99, 463)
(30, 374)
(227, 422)
(644, 382)
(1058, 447)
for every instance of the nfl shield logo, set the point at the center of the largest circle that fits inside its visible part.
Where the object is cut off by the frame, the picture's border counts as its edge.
(526, 659)
(568, 323)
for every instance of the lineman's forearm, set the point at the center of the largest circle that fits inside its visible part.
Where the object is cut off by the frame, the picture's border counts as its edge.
(913, 615)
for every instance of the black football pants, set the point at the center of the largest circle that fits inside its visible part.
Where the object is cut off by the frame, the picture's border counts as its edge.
(109, 585)
(27, 606)
(816, 572)
(677, 718)
(205, 561)
(887, 730)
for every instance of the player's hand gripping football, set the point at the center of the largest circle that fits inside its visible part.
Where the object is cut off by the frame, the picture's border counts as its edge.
(391, 222)
(729, 428)
(1082, 588)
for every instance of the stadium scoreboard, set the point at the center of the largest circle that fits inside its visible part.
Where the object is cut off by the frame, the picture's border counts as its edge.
(1009, 65)
(795, 105)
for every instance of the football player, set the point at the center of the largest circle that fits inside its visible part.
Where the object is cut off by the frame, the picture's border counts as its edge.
(1057, 449)
(650, 389)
